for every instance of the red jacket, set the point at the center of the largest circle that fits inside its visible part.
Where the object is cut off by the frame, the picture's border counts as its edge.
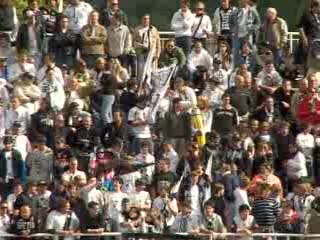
(304, 113)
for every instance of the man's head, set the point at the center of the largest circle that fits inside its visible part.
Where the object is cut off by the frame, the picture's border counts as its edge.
(209, 208)
(197, 47)
(87, 121)
(15, 102)
(163, 165)
(114, 5)
(184, 5)
(170, 46)
(225, 99)
(94, 17)
(117, 183)
(145, 20)
(271, 14)
(225, 4)
(244, 3)
(63, 206)
(244, 211)
(315, 6)
(93, 208)
(186, 208)
(179, 85)
(286, 85)
(8, 143)
(199, 8)
(25, 211)
(73, 164)
(64, 22)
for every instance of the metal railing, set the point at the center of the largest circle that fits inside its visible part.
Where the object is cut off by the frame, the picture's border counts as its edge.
(293, 39)
(177, 236)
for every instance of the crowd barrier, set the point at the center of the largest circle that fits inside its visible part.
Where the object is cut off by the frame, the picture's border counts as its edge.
(164, 236)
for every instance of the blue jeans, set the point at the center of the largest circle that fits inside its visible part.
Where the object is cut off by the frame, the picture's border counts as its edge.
(106, 109)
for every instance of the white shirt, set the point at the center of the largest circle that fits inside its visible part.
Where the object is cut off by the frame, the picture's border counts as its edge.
(159, 204)
(195, 203)
(10, 173)
(78, 15)
(189, 98)
(205, 26)
(56, 220)
(181, 25)
(56, 93)
(68, 176)
(129, 181)
(244, 224)
(20, 114)
(57, 73)
(92, 195)
(146, 172)
(23, 145)
(11, 200)
(199, 59)
(272, 79)
(16, 70)
(4, 223)
(173, 157)
(305, 140)
(114, 200)
(222, 76)
(296, 167)
(140, 198)
(136, 113)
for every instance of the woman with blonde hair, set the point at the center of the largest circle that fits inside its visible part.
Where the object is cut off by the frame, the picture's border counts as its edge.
(118, 72)
(206, 113)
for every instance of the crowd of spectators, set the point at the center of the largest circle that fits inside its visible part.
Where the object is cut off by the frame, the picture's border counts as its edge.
(235, 146)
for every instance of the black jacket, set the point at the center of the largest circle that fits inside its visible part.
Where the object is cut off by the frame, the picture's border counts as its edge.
(23, 41)
(19, 171)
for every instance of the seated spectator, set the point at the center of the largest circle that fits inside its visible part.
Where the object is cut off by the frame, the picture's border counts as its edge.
(269, 79)
(211, 222)
(244, 222)
(93, 222)
(24, 224)
(199, 57)
(62, 221)
(171, 54)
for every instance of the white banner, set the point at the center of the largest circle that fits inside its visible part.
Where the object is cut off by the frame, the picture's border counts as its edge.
(161, 83)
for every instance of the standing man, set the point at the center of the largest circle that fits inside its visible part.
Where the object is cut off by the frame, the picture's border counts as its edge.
(202, 24)
(310, 31)
(245, 24)
(222, 25)
(78, 12)
(119, 40)
(11, 166)
(146, 38)
(94, 37)
(275, 31)
(110, 11)
(181, 24)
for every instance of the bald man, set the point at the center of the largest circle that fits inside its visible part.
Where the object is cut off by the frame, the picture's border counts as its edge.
(274, 30)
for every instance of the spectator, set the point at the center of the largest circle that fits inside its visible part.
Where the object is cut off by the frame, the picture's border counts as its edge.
(202, 27)
(244, 222)
(69, 175)
(78, 12)
(40, 161)
(12, 166)
(5, 218)
(29, 37)
(186, 221)
(111, 9)
(199, 57)
(222, 20)
(119, 40)
(64, 44)
(93, 39)
(278, 28)
(211, 222)
(172, 54)
(24, 224)
(269, 79)
(146, 38)
(225, 118)
(265, 210)
(282, 97)
(62, 221)
(181, 24)
(93, 222)
(20, 67)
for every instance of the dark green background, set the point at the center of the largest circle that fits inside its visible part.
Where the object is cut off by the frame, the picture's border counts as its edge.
(162, 10)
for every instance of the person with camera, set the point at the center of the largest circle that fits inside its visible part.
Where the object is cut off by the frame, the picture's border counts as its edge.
(211, 222)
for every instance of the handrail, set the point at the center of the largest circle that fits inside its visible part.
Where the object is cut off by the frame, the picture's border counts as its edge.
(155, 235)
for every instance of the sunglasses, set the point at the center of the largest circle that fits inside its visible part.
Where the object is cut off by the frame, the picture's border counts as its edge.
(200, 8)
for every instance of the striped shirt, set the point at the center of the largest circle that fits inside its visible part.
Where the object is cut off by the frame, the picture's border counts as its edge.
(265, 211)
